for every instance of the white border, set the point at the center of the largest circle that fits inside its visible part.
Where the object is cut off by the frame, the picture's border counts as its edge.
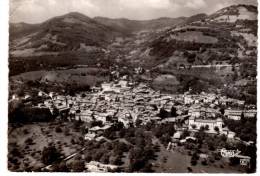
(4, 98)
(3, 84)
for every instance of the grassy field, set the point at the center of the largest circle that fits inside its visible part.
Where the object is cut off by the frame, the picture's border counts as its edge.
(25, 155)
(86, 75)
(178, 161)
(167, 82)
(57, 80)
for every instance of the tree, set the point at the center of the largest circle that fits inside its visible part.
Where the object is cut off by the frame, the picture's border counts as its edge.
(243, 119)
(77, 124)
(60, 167)
(163, 113)
(83, 130)
(25, 131)
(155, 108)
(235, 76)
(165, 139)
(55, 112)
(105, 158)
(204, 162)
(96, 123)
(206, 127)
(191, 57)
(78, 166)
(202, 128)
(222, 110)
(189, 169)
(216, 129)
(66, 131)
(138, 122)
(147, 168)
(194, 158)
(223, 138)
(29, 141)
(173, 111)
(49, 155)
(233, 161)
(88, 158)
(193, 126)
(211, 145)
(58, 130)
(185, 134)
(193, 162)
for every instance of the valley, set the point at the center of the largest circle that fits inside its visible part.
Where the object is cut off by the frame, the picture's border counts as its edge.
(161, 95)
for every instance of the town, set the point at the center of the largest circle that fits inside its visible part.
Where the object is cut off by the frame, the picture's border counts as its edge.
(132, 86)
(137, 105)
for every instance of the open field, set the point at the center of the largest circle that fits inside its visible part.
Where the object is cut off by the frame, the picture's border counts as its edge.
(168, 82)
(178, 161)
(29, 140)
(88, 76)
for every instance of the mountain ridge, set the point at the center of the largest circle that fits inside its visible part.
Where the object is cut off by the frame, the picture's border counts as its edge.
(156, 39)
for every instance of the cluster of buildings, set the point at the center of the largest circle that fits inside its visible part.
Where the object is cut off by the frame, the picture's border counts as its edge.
(95, 166)
(236, 114)
(126, 102)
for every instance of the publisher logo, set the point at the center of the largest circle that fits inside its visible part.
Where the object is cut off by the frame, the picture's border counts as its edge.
(229, 153)
(244, 162)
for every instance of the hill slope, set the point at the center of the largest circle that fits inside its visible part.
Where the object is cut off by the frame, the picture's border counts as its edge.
(69, 32)
(130, 26)
(226, 37)
(216, 34)
(203, 51)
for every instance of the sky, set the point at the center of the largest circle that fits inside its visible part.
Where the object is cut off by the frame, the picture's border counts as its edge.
(36, 11)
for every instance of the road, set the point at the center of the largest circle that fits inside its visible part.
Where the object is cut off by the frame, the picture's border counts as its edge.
(65, 159)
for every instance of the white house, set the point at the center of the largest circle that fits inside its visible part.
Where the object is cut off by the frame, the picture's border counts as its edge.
(84, 115)
(188, 100)
(250, 113)
(198, 123)
(95, 166)
(194, 112)
(233, 114)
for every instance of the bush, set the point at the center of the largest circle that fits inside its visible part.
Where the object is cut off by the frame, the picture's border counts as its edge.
(216, 129)
(66, 132)
(217, 156)
(58, 130)
(211, 145)
(49, 155)
(173, 111)
(163, 113)
(25, 114)
(60, 167)
(105, 159)
(193, 162)
(189, 169)
(96, 123)
(78, 166)
(204, 162)
(73, 141)
(234, 161)
(115, 160)
(185, 134)
(212, 159)
(25, 131)
(88, 158)
(138, 122)
(29, 141)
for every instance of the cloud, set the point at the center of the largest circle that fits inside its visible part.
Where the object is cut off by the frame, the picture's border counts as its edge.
(34, 11)
(195, 4)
